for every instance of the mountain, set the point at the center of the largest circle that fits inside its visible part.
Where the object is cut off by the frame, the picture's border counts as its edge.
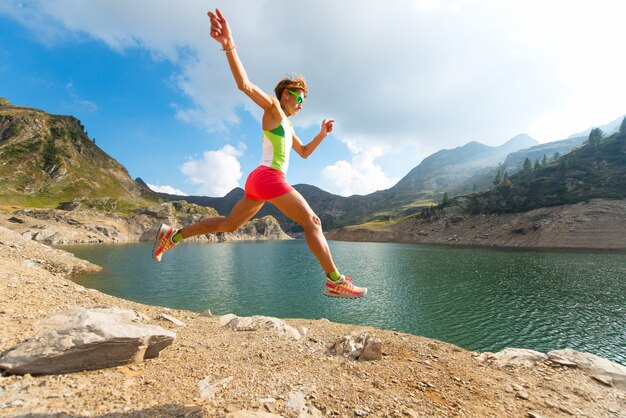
(588, 172)
(515, 161)
(49, 161)
(469, 168)
(447, 169)
(608, 129)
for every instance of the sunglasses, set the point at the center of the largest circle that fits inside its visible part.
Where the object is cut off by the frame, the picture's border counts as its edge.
(299, 98)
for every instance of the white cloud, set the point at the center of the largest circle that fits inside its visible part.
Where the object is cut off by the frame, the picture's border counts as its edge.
(360, 176)
(166, 189)
(217, 172)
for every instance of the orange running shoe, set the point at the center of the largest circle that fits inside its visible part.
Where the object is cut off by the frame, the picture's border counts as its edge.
(162, 242)
(343, 288)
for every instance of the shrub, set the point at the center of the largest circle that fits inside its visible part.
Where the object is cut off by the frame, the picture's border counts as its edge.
(50, 157)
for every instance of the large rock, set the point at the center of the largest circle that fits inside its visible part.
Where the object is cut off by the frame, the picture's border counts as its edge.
(86, 339)
(361, 346)
(592, 364)
(514, 357)
(253, 323)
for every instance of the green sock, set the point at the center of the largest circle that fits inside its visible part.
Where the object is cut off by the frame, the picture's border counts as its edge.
(334, 276)
(178, 237)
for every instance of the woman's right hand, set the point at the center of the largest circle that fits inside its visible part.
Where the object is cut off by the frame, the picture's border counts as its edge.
(220, 31)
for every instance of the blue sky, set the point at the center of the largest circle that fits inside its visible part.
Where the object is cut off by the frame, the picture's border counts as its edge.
(403, 79)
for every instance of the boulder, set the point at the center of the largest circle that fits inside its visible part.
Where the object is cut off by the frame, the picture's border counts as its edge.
(607, 370)
(254, 323)
(86, 339)
(361, 346)
(517, 357)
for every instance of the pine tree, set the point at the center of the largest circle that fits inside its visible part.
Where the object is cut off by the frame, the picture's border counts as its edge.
(537, 165)
(556, 156)
(622, 127)
(527, 165)
(445, 199)
(544, 161)
(498, 178)
(595, 137)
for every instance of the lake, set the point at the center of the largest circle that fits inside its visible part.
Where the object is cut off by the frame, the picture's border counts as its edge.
(478, 298)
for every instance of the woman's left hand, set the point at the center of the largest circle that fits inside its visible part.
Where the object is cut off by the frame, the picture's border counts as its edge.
(327, 126)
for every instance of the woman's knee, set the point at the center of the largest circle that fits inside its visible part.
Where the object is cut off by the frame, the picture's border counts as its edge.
(229, 225)
(312, 221)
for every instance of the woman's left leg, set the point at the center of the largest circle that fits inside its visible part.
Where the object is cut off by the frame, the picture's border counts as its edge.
(294, 206)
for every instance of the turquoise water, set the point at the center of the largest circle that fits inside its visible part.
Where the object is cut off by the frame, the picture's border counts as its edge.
(479, 299)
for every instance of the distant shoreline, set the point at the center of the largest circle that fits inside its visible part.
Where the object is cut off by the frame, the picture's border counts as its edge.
(599, 224)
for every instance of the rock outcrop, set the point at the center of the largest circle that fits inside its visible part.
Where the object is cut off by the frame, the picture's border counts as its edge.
(86, 339)
(609, 372)
(83, 225)
(603, 370)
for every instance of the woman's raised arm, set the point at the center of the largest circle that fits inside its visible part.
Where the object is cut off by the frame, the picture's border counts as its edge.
(220, 31)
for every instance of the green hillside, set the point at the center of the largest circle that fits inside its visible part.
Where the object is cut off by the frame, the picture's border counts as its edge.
(595, 170)
(48, 161)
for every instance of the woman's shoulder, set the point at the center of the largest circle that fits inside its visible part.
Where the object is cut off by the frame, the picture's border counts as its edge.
(275, 111)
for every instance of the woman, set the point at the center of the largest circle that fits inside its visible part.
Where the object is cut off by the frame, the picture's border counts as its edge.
(267, 182)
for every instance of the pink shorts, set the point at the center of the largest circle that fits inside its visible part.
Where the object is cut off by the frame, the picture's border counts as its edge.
(266, 183)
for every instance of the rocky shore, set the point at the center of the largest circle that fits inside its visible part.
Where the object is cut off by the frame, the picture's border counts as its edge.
(598, 224)
(220, 367)
(77, 225)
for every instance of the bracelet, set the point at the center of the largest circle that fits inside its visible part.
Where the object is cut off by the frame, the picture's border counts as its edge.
(229, 50)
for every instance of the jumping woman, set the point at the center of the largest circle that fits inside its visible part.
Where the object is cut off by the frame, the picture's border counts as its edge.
(267, 182)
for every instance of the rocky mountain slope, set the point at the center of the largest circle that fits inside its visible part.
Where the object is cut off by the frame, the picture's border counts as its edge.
(449, 170)
(589, 172)
(578, 201)
(216, 371)
(49, 160)
(57, 186)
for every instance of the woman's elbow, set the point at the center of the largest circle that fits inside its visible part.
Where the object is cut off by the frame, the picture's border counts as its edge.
(304, 153)
(243, 85)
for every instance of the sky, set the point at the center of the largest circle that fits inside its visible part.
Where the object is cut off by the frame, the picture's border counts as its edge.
(403, 79)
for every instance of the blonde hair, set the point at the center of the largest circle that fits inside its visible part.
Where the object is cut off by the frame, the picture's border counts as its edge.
(291, 83)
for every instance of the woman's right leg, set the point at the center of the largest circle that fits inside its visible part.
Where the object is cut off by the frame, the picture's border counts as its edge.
(167, 237)
(243, 211)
